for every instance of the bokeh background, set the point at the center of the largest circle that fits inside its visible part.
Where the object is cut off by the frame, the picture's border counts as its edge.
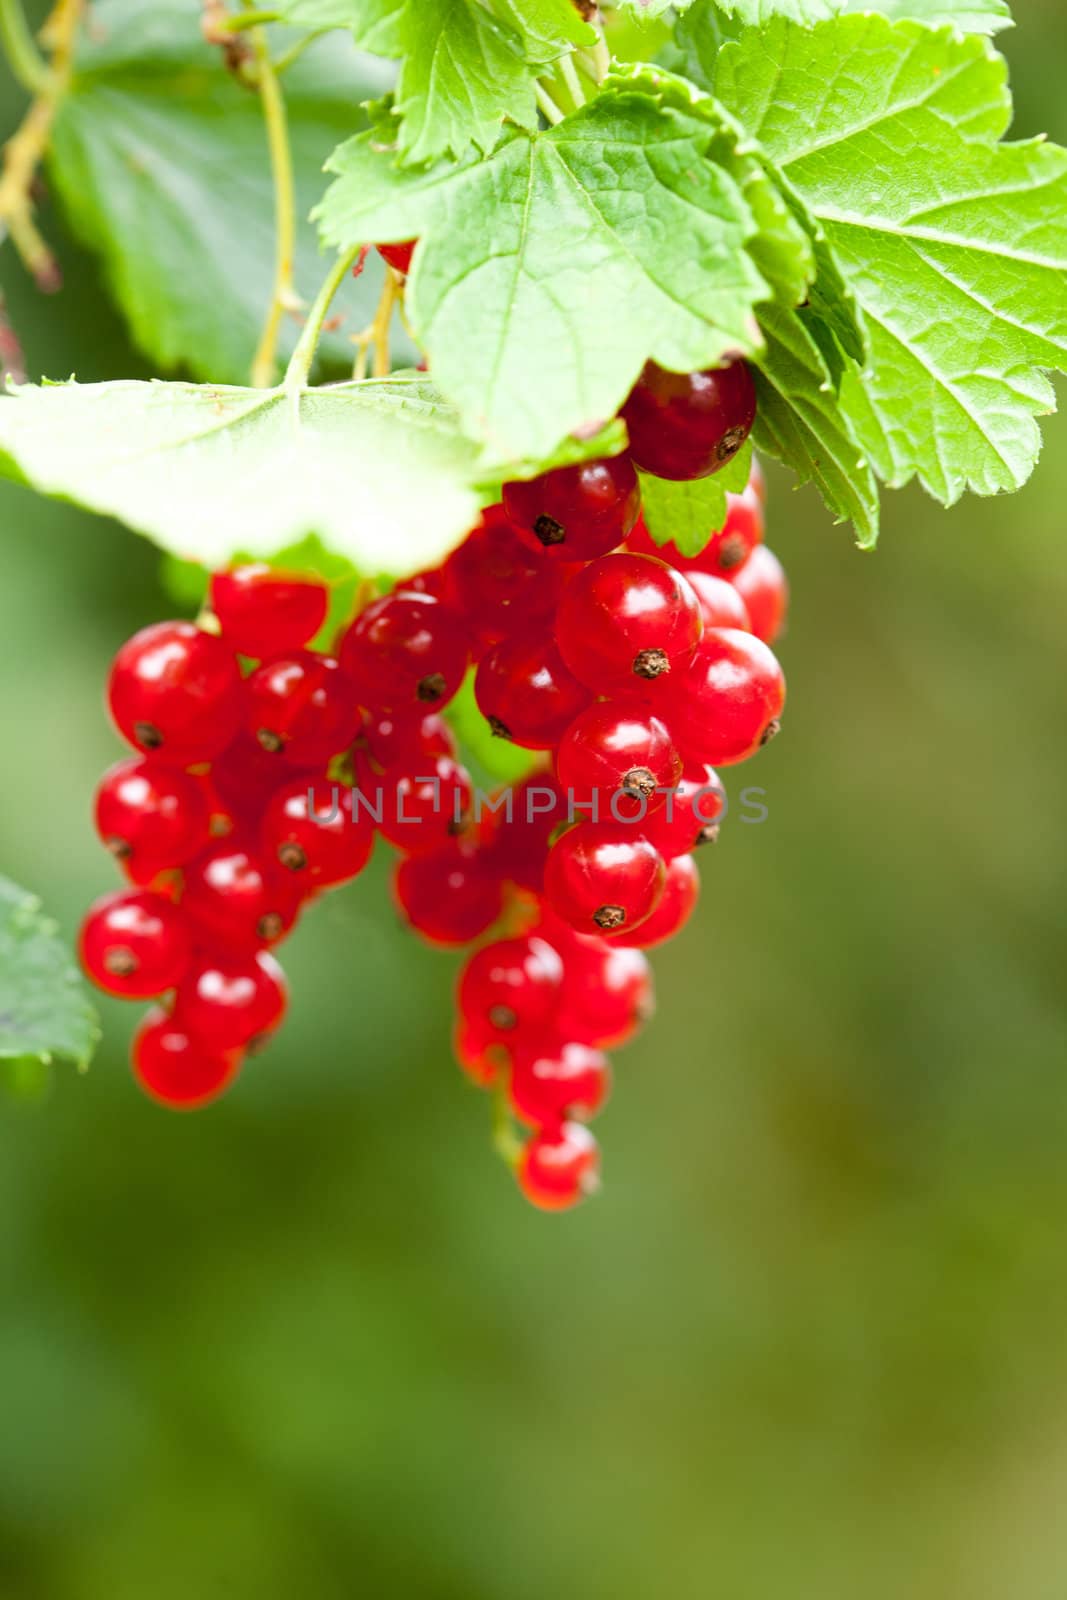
(812, 1337)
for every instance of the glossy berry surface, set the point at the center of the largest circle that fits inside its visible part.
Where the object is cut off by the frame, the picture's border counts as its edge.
(423, 806)
(603, 877)
(618, 752)
(677, 904)
(721, 605)
(626, 620)
(690, 816)
(559, 1082)
(393, 738)
(264, 612)
(405, 651)
(577, 513)
(479, 1053)
(237, 898)
(559, 1167)
(730, 547)
(313, 830)
(511, 986)
(685, 425)
(398, 255)
(516, 839)
(152, 815)
(176, 1070)
(135, 944)
(232, 1001)
(449, 895)
(527, 693)
(175, 692)
(763, 586)
(301, 706)
(608, 994)
(727, 705)
(497, 582)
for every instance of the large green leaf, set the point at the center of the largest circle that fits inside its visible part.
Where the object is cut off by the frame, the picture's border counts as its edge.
(549, 273)
(954, 246)
(160, 159)
(45, 1013)
(971, 16)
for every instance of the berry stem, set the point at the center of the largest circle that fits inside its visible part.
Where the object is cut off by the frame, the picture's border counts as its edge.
(283, 297)
(295, 51)
(506, 1142)
(376, 335)
(296, 374)
(570, 77)
(548, 106)
(25, 60)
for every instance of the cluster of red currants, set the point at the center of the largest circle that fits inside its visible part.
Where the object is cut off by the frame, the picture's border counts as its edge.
(266, 768)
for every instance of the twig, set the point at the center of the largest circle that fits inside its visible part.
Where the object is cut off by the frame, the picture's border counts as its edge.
(25, 60)
(283, 296)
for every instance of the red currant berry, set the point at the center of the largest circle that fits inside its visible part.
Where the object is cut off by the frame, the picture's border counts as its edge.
(526, 693)
(301, 705)
(449, 896)
(313, 830)
(679, 901)
(603, 878)
(618, 751)
(237, 899)
(560, 1081)
(479, 1053)
(176, 1070)
(135, 944)
(497, 582)
(424, 807)
(721, 605)
(763, 586)
(727, 705)
(175, 692)
(263, 612)
(152, 816)
(608, 995)
(577, 513)
(726, 552)
(625, 620)
(398, 255)
(232, 1002)
(689, 424)
(405, 651)
(510, 986)
(559, 1167)
(246, 776)
(517, 837)
(690, 816)
(397, 739)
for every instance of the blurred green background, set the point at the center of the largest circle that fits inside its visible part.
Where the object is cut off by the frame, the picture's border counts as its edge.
(812, 1337)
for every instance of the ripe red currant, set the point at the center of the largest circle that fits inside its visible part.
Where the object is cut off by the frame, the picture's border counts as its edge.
(152, 816)
(577, 513)
(608, 995)
(618, 751)
(238, 899)
(726, 551)
(397, 738)
(763, 586)
(479, 1053)
(231, 1002)
(175, 692)
(517, 837)
(721, 605)
(313, 830)
(245, 776)
(176, 1070)
(604, 877)
(727, 704)
(559, 1167)
(302, 706)
(526, 692)
(689, 424)
(680, 894)
(424, 805)
(557, 1082)
(405, 651)
(398, 255)
(690, 816)
(449, 895)
(511, 985)
(135, 944)
(497, 582)
(625, 620)
(263, 612)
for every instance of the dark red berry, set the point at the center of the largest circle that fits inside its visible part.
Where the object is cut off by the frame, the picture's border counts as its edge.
(626, 620)
(398, 255)
(608, 995)
(313, 830)
(721, 605)
(175, 692)
(232, 1001)
(525, 691)
(511, 986)
(559, 1167)
(686, 425)
(497, 582)
(245, 777)
(395, 738)
(152, 816)
(178, 1071)
(577, 513)
(726, 551)
(238, 899)
(552, 1084)
(135, 944)
(449, 895)
(264, 612)
(423, 807)
(763, 586)
(516, 835)
(604, 878)
(404, 652)
(690, 815)
(624, 754)
(301, 706)
(680, 893)
(727, 704)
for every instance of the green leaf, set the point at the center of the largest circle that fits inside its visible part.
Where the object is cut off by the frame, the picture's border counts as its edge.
(160, 160)
(971, 16)
(45, 1014)
(548, 274)
(687, 514)
(953, 245)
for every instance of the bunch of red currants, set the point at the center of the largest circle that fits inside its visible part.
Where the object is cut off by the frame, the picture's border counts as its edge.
(266, 766)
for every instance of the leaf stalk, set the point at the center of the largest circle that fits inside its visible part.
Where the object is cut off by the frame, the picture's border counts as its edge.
(296, 375)
(283, 296)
